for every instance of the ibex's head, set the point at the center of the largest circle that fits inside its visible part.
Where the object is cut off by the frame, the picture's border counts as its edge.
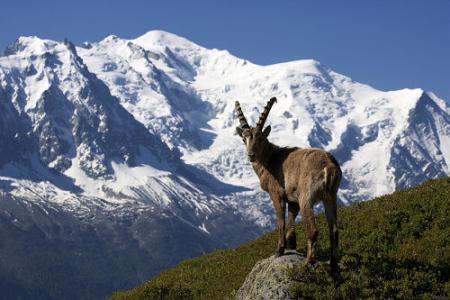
(254, 137)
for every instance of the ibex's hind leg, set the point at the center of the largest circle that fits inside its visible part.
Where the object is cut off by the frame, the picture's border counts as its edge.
(309, 223)
(291, 238)
(280, 207)
(331, 214)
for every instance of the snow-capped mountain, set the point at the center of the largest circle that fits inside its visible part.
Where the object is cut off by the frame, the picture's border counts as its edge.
(188, 100)
(71, 136)
(131, 143)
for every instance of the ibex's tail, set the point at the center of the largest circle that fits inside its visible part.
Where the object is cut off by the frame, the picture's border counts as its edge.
(333, 176)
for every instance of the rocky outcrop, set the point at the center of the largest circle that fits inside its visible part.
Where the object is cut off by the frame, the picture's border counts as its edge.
(269, 278)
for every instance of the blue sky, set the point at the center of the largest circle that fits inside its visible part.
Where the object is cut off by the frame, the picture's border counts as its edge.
(387, 44)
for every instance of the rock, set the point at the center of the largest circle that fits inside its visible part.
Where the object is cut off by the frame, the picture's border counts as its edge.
(269, 278)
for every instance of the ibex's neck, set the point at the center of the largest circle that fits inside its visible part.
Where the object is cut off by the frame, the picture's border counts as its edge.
(263, 163)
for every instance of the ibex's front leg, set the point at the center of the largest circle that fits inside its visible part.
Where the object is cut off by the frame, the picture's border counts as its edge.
(280, 208)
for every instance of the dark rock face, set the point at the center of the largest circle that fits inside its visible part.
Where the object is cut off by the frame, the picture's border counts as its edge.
(269, 278)
(410, 155)
(90, 124)
(46, 253)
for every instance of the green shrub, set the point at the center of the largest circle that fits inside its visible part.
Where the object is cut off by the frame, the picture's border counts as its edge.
(167, 292)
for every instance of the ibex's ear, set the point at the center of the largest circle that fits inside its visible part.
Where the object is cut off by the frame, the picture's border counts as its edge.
(239, 131)
(267, 131)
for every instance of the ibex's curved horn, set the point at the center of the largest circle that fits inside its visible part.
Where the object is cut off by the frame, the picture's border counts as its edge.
(240, 114)
(265, 113)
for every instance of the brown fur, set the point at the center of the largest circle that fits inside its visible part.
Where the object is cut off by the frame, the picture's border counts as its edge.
(298, 178)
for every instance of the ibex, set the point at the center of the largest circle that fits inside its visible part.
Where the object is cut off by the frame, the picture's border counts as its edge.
(297, 177)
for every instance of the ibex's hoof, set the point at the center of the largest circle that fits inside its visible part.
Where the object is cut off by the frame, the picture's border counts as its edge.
(310, 263)
(291, 245)
(280, 252)
(335, 273)
(334, 268)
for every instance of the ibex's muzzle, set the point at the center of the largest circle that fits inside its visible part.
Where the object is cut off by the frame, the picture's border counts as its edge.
(252, 156)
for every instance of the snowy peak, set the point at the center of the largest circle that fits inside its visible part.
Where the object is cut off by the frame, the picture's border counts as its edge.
(154, 87)
(161, 39)
(185, 56)
(71, 113)
(176, 53)
(28, 45)
(423, 147)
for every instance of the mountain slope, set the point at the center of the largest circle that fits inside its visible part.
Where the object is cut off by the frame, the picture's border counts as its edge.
(50, 254)
(393, 246)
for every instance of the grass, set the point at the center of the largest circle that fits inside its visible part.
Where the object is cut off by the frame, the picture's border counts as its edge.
(393, 247)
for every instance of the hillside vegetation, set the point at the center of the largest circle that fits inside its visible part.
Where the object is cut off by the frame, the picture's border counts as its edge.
(396, 246)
